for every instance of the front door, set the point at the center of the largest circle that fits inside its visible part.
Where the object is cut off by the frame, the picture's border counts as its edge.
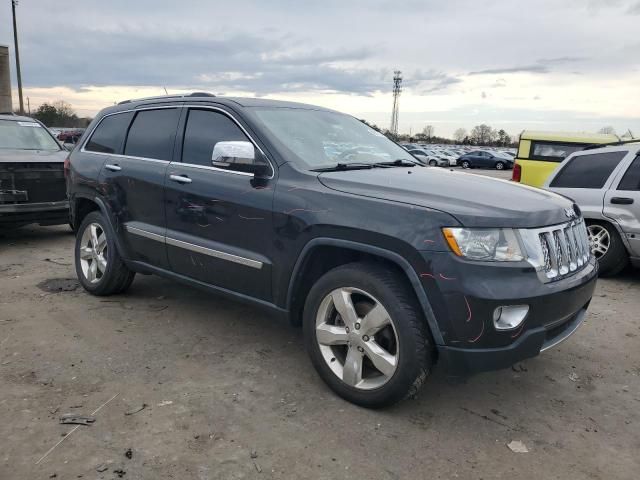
(219, 220)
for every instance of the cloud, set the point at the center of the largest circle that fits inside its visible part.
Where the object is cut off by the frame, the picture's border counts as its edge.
(634, 9)
(535, 68)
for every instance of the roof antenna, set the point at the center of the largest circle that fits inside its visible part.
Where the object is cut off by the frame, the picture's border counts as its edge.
(165, 90)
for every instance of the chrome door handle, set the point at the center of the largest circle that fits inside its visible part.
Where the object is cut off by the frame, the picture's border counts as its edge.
(180, 178)
(113, 167)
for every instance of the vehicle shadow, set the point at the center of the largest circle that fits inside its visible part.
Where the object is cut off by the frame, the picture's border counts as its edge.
(34, 233)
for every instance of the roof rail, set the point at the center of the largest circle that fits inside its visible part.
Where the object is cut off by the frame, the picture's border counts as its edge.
(160, 97)
(612, 144)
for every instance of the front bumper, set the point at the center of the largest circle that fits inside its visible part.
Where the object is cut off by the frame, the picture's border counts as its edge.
(464, 296)
(43, 213)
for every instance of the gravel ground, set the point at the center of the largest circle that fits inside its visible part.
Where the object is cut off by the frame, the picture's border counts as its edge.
(228, 392)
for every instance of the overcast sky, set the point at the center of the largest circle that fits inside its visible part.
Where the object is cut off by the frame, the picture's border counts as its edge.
(544, 64)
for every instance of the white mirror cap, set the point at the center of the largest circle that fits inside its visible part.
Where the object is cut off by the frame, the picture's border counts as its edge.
(236, 151)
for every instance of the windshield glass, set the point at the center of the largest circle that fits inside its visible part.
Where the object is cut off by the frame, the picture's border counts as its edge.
(319, 138)
(25, 136)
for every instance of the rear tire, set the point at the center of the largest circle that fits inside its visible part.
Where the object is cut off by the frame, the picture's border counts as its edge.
(395, 347)
(466, 164)
(99, 267)
(433, 163)
(607, 247)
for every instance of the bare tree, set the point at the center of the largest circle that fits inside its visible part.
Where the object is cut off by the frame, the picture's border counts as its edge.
(459, 135)
(483, 134)
(428, 131)
(609, 130)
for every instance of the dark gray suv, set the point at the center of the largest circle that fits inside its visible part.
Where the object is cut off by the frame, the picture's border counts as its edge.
(390, 267)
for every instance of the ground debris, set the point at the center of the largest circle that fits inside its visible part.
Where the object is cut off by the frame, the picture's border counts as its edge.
(58, 285)
(120, 472)
(517, 446)
(254, 454)
(73, 419)
(102, 468)
(137, 409)
(128, 453)
(574, 377)
(165, 403)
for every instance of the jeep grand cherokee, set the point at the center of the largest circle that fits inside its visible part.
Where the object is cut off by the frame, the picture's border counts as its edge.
(389, 266)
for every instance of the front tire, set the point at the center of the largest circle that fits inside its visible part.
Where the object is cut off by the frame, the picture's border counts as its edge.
(433, 163)
(499, 166)
(607, 246)
(466, 164)
(366, 336)
(99, 267)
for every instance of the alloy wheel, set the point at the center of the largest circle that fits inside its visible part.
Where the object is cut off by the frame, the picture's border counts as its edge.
(357, 338)
(499, 166)
(465, 164)
(599, 240)
(93, 252)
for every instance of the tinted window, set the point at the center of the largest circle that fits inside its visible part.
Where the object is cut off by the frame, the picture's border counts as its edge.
(631, 179)
(109, 135)
(553, 152)
(152, 134)
(204, 129)
(587, 171)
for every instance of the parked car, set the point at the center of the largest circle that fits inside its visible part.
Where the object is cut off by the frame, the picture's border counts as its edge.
(605, 183)
(70, 136)
(32, 186)
(429, 158)
(485, 159)
(540, 153)
(389, 266)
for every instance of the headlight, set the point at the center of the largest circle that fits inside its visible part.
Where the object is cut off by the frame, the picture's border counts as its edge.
(488, 244)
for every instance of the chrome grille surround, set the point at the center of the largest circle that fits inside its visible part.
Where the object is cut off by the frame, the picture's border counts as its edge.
(557, 251)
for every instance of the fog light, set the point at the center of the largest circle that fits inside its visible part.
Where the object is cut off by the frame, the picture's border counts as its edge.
(509, 317)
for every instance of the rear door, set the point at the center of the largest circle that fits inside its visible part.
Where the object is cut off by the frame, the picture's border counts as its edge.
(219, 220)
(622, 204)
(134, 181)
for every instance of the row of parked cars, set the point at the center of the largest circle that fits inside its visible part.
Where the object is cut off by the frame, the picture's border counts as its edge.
(466, 157)
(389, 267)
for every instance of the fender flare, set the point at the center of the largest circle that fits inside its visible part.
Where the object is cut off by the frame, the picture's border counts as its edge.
(102, 206)
(394, 257)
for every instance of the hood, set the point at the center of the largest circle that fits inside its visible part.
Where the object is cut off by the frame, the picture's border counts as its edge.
(475, 200)
(32, 156)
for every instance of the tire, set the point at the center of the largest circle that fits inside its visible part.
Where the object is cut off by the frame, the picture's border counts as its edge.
(433, 163)
(499, 166)
(404, 338)
(465, 164)
(608, 248)
(109, 275)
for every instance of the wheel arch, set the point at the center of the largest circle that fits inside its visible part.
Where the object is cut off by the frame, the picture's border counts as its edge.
(82, 205)
(313, 263)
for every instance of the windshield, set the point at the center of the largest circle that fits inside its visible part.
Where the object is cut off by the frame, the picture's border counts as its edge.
(319, 138)
(25, 136)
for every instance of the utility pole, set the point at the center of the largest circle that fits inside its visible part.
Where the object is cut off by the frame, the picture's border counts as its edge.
(28, 106)
(15, 42)
(397, 88)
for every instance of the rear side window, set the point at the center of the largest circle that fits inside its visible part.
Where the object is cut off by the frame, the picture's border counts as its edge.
(204, 129)
(631, 179)
(552, 151)
(109, 135)
(588, 171)
(152, 134)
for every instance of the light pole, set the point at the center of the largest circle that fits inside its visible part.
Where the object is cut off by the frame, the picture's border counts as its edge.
(15, 42)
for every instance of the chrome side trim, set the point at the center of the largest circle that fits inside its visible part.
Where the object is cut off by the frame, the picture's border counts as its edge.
(145, 234)
(567, 333)
(205, 167)
(248, 262)
(214, 253)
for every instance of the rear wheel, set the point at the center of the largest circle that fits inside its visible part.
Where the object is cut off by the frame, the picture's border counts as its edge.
(433, 163)
(466, 164)
(99, 267)
(607, 247)
(365, 335)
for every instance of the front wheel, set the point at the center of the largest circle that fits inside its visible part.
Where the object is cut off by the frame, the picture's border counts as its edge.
(466, 164)
(499, 166)
(99, 267)
(606, 246)
(433, 163)
(365, 335)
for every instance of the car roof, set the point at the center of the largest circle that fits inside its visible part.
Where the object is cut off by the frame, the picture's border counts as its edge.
(632, 146)
(200, 97)
(572, 137)
(16, 118)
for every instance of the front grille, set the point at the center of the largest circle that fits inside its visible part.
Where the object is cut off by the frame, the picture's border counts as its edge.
(563, 249)
(32, 182)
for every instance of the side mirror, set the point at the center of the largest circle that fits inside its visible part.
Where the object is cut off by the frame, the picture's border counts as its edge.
(239, 156)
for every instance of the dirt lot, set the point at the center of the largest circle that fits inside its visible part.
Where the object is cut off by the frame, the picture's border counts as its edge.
(229, 392)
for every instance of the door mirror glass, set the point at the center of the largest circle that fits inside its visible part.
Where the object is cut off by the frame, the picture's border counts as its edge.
(239, 156)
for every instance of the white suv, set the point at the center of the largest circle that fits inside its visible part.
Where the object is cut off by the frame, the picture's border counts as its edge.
(605, 183)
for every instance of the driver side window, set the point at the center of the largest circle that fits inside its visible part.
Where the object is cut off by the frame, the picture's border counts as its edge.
(203, 130)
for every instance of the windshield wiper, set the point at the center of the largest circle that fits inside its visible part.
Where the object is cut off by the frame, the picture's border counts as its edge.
(344, 166)
(400, 162)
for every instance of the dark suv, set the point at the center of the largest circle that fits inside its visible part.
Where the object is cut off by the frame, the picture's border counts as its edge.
(388, 265)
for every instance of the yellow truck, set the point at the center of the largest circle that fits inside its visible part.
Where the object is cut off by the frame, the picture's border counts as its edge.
(539, 153)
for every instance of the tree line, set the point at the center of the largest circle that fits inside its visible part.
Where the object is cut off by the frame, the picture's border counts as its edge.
(60, 114)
